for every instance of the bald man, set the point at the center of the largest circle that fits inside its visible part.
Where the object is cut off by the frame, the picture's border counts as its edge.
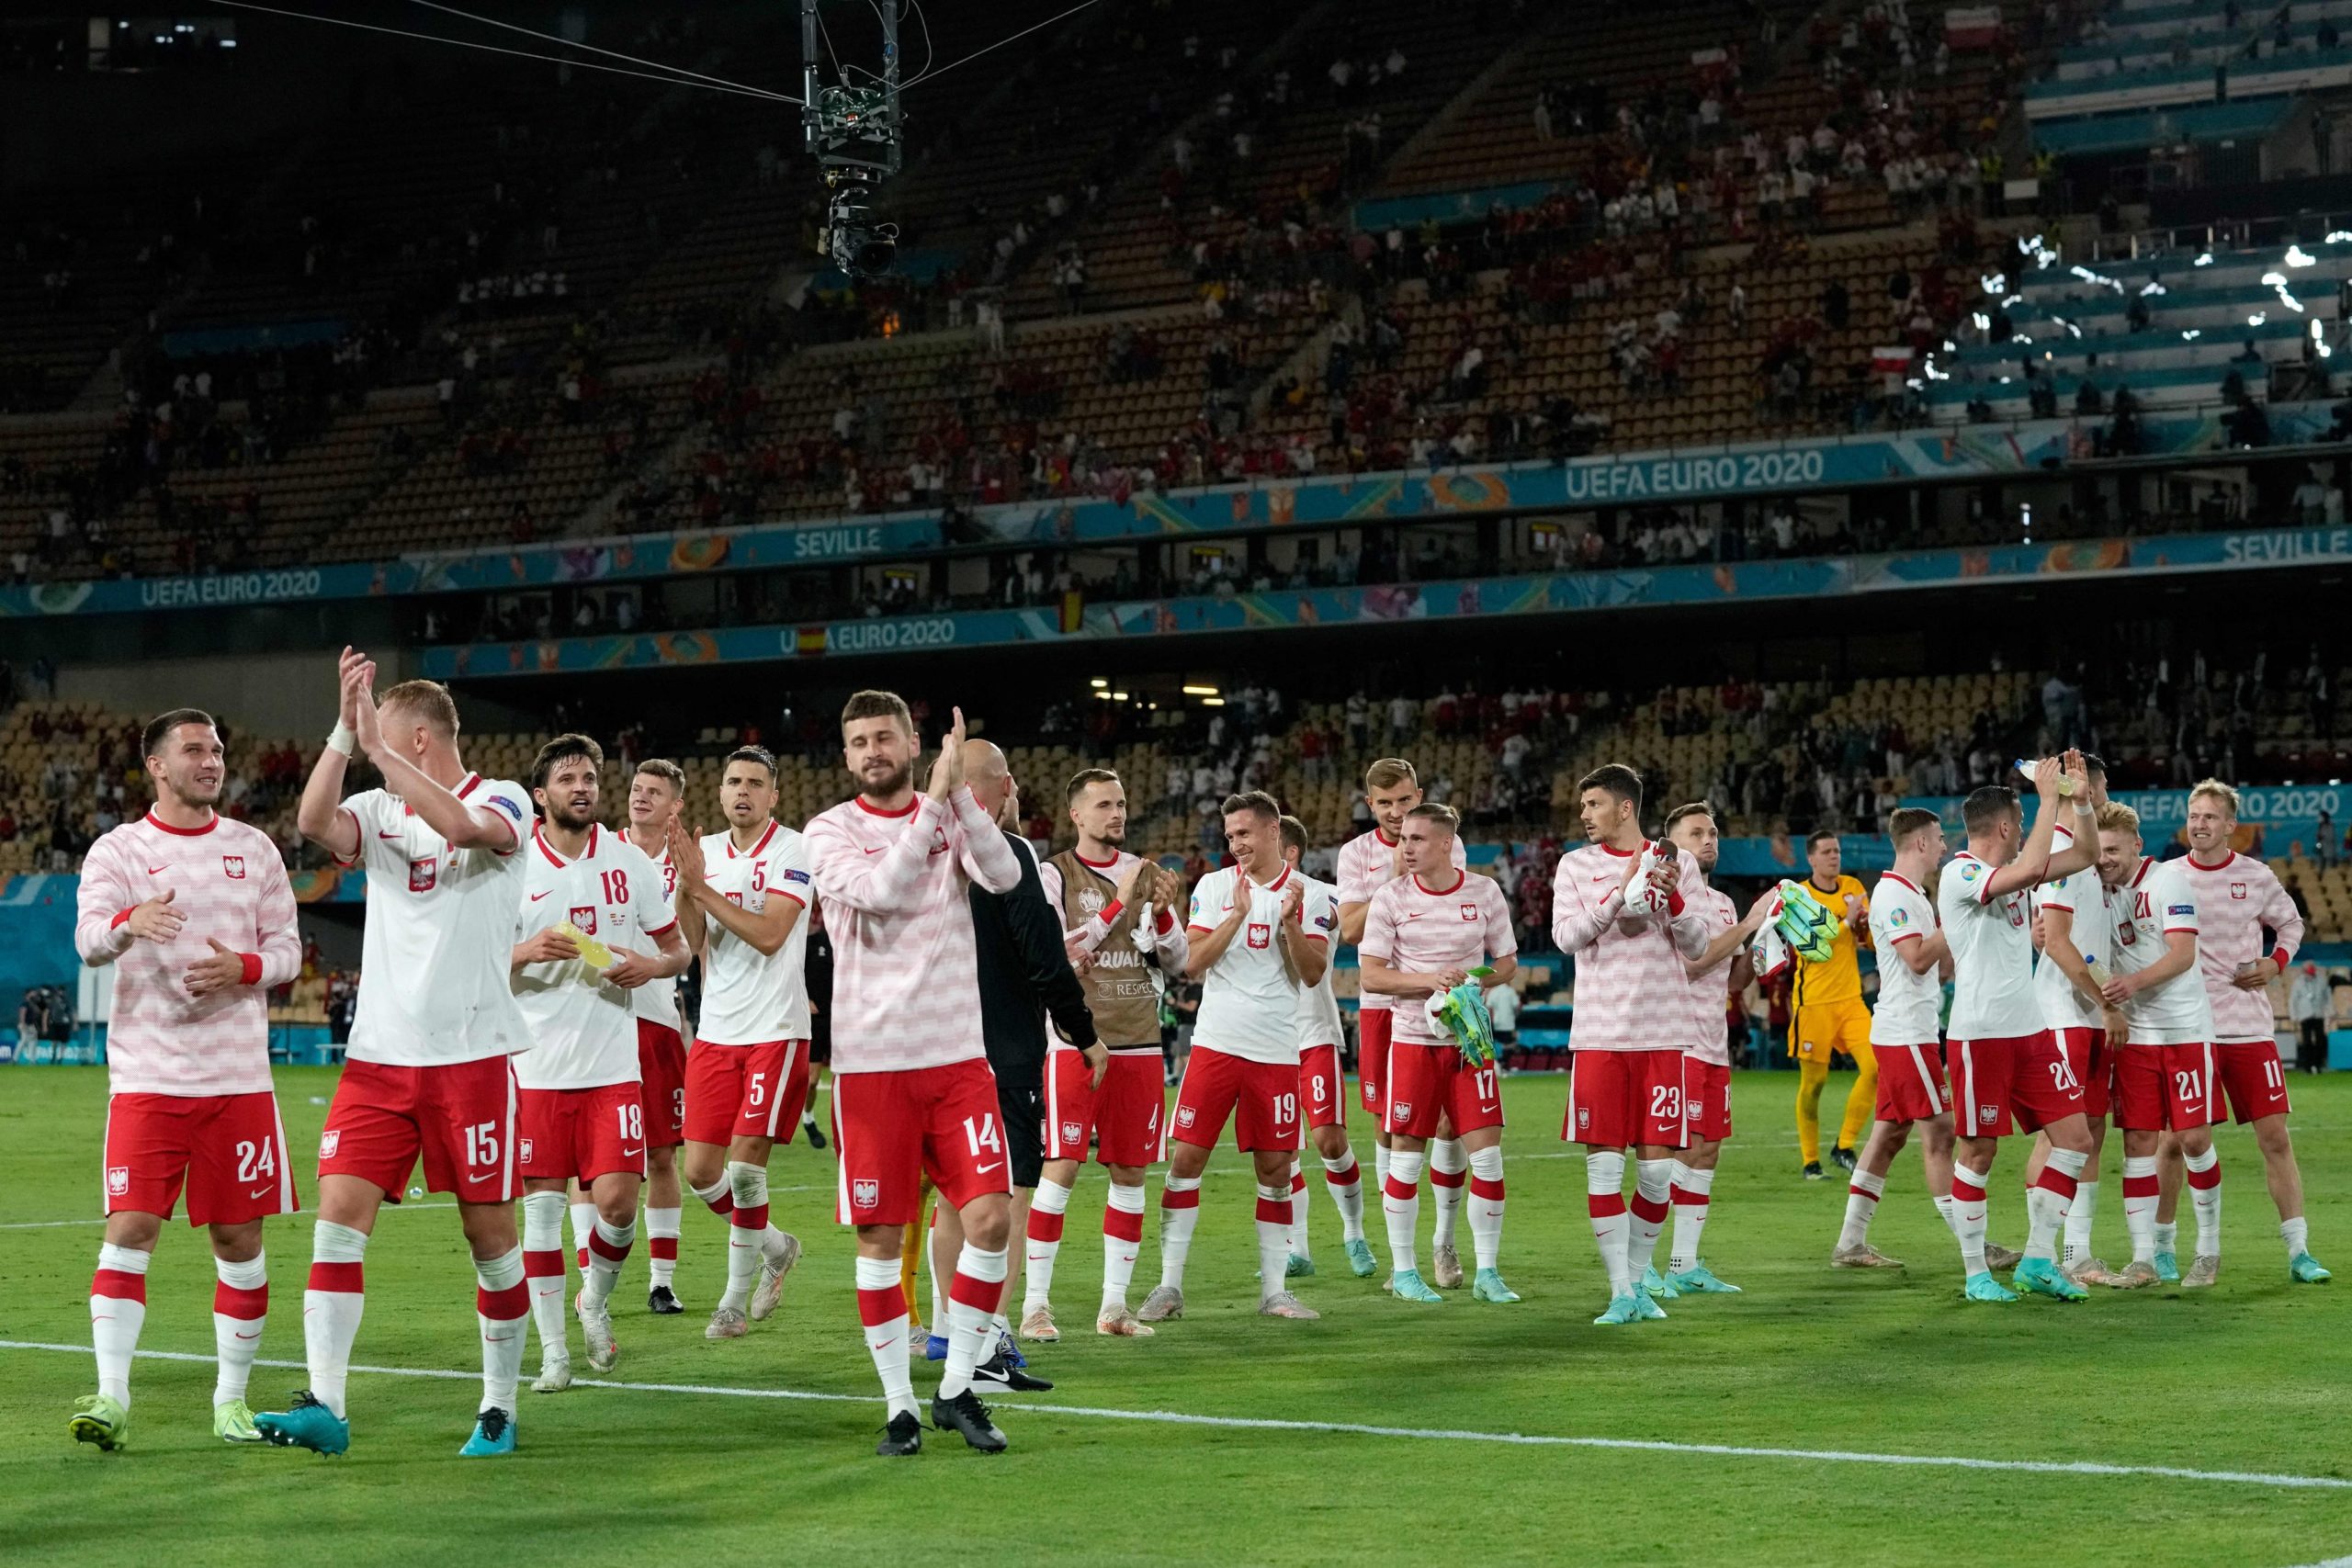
(1025, 974)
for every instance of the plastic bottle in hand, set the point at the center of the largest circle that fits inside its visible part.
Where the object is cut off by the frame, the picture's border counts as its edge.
(2026, 766)
(593, 953)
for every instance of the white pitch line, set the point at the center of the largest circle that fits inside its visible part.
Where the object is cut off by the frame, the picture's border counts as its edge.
(1361, 1429)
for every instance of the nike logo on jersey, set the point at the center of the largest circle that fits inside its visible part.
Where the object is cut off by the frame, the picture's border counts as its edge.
(159, 870)
(536, 897)
(384, 835)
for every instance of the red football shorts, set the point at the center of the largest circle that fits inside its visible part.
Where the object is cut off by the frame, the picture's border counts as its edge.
(1123, 1116)
(459, 1117)
(228, 1149)
(1261, 1098)
(746, 1092)
(1620, 1100)
(1706, 1099)
(2093, 1065)
(582, 1134)
(892, 1129)
(1371, 1057)
(661, 1068)
(1429, 1082)
(2166, 1087)
(2253, 1078)
(1321, 1090)
(1911, 1082)
(2002, 1086)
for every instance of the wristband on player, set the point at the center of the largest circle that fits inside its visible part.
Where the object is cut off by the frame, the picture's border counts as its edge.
(343, 737)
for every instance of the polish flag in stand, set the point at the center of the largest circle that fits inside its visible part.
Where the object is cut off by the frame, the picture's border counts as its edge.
(1972, 27)
(1895, 361)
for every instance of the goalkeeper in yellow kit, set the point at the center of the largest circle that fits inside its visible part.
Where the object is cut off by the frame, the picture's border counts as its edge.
(1827, 1012)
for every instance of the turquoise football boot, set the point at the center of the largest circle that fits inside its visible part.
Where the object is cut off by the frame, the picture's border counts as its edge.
(1489, 1287)
(2304, 1269)
(493, 1434)
(1410, 1286)
(1983, 1287)
(305, 1424)
(1699, 1280)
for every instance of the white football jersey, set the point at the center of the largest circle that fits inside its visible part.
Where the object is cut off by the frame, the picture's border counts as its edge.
(583, 1031)
(1318, 1005)
(748, 999)
(656, 1001)
(1909, 1006)
(2084, 897)
(1249, 1004)
(1992, 953)
(435, 958)
(2156, 903)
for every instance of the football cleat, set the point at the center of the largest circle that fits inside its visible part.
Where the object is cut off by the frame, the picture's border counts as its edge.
(2304, 1269)
(776, 1259)
(934, 1347)
(1622, 1309)
(1037, 1324)
(1657, 1285)
(1842, 1158)
(661, 1298)
(555, 1375)
(1997, 1256)
(1984, 1288)
(726, 1322)
(901, 1437)
(1164, 1303)
(305, 1424)
(816, 1135)
(2167, 1267)
(100, 1420)
(596, 1324)
(1863, 1256)
(1699, 1280)
(1300, 1267)
(1647, 1309)
(1813, 1170)
(232, 1422)
(1282, 1304)
(1489, 1287)
(1446, 1267)
(493, 1434)
(2203, 1270)
(2040, 1277)
(1407, 1285)
(999, 1373)
(2133, 1275)
(1007, 1349)
(1359, 1262)
(2089, 1271)
(1121, 1324)
(965, 1414)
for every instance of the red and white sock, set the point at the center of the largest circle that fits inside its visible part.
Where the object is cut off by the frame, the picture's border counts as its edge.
(1448, 1164)
(502, 1304)
(1400, 1205)
(719, 1196)
(607, 1250)
(2140, 1194)
(543, 1270)
(662, 1228)
(1047, 1212)
(117, 1311)
(1692, 1194)
(584, 1225)
(2205, 1197)
(882, 1307)
(972, 1296)
(1862, 1192)
(1122, 1239)
(1971, 1211)
(1486, 1205)
(1344, 1179)
(1273, 1240)
(331, 1304)
(2047, 1200)
(1604, 1184)
(1653, 1185)
(240, 1307)
(746, 1227)
(1297, 1238)
(1180, 1211)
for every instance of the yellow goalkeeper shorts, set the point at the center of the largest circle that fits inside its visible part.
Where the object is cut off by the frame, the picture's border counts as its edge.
(1831, 1026)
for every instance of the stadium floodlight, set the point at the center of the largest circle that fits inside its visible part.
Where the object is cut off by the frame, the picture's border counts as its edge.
(1100, 684)
(853, 131)
(1200, 690)
(2298, 256)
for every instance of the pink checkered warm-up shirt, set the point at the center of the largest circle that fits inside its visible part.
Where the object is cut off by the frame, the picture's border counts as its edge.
(226, 880)
(894, 891)
(1632, 993)
(2234, 901)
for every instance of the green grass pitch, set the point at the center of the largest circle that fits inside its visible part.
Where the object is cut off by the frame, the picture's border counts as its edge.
(2248, 1378)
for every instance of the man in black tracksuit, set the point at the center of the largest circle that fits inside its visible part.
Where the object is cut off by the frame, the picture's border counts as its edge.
(1025, 973)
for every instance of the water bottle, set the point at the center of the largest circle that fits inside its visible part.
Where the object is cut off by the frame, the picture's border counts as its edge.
(2026, 765)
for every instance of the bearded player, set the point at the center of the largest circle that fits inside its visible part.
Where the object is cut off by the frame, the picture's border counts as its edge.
(1323, 1095)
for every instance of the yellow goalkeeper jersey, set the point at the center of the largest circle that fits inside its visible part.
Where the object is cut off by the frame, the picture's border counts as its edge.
(1838, 978)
